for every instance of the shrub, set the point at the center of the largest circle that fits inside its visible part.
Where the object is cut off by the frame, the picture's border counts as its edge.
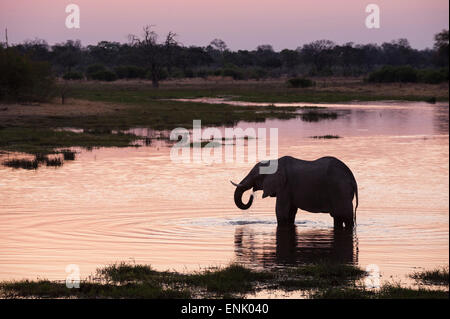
(389, 74)
(258, 73)
(405, 74)
(202, 73)
(73, 76)
(130, 72)
(162, 74)
(233, 72)
(433, 76)
(300, 82)
(94, 68)
(22, 79)
(105, 75)
(188, 73)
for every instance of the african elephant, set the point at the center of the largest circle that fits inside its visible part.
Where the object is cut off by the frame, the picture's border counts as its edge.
(325, 185)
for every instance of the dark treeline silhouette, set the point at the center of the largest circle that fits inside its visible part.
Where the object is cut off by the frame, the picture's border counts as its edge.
(148, 56)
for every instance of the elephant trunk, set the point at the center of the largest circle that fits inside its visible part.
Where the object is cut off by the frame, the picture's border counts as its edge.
(238, 198)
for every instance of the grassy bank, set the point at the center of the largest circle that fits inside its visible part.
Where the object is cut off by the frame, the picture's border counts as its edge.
(126, 280)
(327, 90)
(103, 109)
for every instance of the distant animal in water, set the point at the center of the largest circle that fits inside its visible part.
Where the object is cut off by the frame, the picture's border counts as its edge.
(325, 185)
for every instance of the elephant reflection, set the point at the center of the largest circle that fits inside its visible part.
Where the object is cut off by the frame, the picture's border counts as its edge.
(288, 245)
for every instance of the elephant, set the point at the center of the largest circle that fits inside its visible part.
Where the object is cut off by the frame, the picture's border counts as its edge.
(325, 185)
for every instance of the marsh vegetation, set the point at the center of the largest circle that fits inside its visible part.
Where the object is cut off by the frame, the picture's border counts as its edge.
(127, 280)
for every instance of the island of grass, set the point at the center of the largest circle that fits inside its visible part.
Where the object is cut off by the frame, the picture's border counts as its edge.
(125, 280)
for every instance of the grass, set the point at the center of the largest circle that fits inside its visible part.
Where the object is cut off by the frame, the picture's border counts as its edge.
(122, 105)
(35, 140)
(50, 289)
(232, 279)
(55, 162)
(127, 280)
(321, 275)
(315, 116)
(35, 133)
(22, 163)
(327, 90)
(328, 136)
(388, 291)
(205, 144)
(438, 276)
(68, 155)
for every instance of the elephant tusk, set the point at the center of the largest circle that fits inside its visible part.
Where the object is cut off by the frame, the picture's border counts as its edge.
(237, 185)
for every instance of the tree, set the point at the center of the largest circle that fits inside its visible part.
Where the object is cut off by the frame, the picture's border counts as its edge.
(67, 54)
(152, 54)
(441, 41)
(105, 52)
(290, 58)
(219, 45)
(319, 53)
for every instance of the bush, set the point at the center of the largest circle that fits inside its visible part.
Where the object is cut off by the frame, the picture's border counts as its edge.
(300, 82)
(73, 76)
(22, 79)
(162, 74)
(105, 75)
(388, 74)
(233, 72)
(188, 73)
(202, 73)
(130, 72)
(405, 74)
(433, 76)
(94, 68)
(258, 73)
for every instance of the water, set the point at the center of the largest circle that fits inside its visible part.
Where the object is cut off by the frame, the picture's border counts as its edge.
(134, 204)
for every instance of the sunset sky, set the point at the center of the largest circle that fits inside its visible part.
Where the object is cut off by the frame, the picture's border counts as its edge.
(242, 24)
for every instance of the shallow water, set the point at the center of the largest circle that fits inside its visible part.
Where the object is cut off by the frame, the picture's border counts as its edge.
(134, 204)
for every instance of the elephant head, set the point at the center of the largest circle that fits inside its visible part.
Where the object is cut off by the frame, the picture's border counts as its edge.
(269, 183)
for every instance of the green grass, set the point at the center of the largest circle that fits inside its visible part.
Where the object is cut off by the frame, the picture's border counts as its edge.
(232, 279)
(22, 163)
(205, 144)
(126, 280)
(327, 137)
(148, 107)
(269, 92)
(50, 289)
(321, 275)
(315, 116)
(387, 291)
(55, 162)
(438, 276)
(36, 134)
(35, 140)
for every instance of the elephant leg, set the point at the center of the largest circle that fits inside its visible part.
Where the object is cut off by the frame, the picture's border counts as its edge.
(343, 214)
(284, 211)
(292, 214)
(349, 224)
(338, 223)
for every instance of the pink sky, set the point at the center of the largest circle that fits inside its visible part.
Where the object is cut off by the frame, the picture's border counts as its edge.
(242, 24)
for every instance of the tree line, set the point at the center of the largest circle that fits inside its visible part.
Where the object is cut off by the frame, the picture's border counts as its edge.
(149, 56)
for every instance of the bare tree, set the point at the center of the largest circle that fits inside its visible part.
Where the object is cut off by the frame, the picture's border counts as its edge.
(154, 55)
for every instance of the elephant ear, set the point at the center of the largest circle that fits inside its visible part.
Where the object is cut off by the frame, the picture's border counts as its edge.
(273, 183)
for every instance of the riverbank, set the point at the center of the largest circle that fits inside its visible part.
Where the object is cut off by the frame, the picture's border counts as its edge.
(103, 111)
